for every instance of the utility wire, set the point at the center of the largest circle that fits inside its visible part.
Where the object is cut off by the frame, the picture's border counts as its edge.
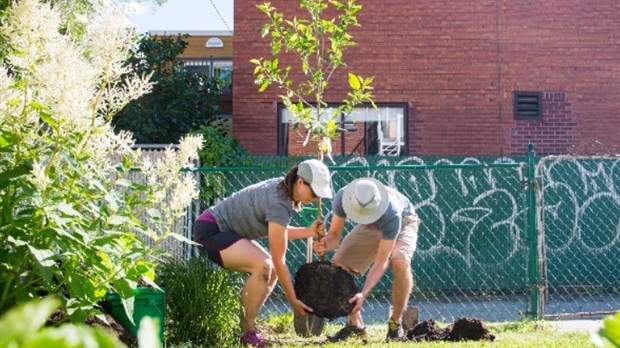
(221, 17)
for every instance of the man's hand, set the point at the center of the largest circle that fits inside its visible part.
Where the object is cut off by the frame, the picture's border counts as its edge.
(329, 242)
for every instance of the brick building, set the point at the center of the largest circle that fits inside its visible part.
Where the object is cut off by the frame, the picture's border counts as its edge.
(466, 77)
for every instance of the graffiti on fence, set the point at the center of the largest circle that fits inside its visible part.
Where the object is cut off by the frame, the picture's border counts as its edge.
(581, 221)
(473, 219)
(581, 197)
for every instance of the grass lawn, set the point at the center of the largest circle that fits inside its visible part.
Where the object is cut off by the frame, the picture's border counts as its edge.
(514, 334)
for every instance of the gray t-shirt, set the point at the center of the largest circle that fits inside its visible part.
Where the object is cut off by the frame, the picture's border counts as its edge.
(389, 223)
(248, 211)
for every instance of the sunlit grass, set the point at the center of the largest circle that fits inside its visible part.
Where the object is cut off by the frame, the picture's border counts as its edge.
(280, 332)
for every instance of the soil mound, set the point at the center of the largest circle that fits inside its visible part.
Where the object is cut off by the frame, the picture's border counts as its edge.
(469, 329)
(461, 329)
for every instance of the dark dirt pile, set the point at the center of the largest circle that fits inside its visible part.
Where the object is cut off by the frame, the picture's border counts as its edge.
(326, 288)
(113, 327)
(461, 329)
(109, 324)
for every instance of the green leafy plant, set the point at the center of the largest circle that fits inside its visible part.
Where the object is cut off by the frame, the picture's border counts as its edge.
(22, 326)
(220, 148)
(610, 332)
(202, 303)
(180, 101)
(319, 44)
(75, 218)
(280, 323)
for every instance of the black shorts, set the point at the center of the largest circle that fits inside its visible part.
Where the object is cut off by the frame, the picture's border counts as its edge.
(212, 240)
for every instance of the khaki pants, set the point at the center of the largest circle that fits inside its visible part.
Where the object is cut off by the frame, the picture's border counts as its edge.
(359, 248)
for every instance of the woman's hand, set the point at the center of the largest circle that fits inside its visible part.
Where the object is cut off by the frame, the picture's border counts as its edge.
(300, 307)
(317, 229)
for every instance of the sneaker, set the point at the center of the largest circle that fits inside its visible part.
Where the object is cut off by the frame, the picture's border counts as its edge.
(252, 338)
(349, 331)
(395, 331)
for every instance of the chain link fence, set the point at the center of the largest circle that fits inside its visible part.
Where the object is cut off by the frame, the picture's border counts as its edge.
(579, 222)
(500, 239)
(472, 250)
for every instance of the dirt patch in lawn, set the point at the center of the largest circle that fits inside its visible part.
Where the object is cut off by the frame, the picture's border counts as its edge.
(461, 329)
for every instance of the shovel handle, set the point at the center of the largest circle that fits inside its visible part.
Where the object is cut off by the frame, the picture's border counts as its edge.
(309, 241)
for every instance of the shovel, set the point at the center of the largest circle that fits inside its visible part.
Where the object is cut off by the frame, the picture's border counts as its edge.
(309, 324)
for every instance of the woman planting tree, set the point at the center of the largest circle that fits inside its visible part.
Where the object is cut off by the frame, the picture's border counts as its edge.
(228, 232)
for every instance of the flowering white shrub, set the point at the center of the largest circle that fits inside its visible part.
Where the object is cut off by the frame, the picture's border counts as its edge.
(68, 211)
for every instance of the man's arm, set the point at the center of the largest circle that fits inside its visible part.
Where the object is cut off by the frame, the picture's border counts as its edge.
(376, 272)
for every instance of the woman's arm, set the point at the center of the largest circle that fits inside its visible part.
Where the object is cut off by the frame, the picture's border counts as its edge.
(311, 231)
(278, 242)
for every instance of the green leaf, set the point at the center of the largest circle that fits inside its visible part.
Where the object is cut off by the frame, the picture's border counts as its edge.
(47, 118)
(263, 86)
(154, 213)
(148, 333)
(354, 82)
(72, 336)
(611, 329)
(68, 210)
(125, 287)
(182, 238)
(43, 256)
(24, 320)
(4, 143)
(17, 171)
(116, 220)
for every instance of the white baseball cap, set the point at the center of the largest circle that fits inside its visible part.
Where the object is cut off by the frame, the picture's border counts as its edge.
(315, 173)
(365, 200)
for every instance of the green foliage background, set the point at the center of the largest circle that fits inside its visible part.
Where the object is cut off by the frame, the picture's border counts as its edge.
(181, 101)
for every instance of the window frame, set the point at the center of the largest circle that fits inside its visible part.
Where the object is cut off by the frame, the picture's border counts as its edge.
(282, 132)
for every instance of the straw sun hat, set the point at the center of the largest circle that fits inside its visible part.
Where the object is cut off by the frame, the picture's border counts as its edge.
(365, 200)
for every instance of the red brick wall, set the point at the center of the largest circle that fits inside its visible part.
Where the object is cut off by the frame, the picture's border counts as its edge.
(457, 64)
(553, 134)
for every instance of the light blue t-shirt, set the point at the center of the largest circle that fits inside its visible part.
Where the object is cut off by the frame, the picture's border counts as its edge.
(248, 211)
(389, 223)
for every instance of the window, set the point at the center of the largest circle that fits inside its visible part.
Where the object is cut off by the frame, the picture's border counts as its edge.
(367, 131)
(528, 106)
(220, 68)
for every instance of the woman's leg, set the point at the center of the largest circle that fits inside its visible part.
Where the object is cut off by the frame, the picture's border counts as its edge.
(249, 257)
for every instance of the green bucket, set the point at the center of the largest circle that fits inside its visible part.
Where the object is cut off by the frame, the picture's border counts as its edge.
(147, 302)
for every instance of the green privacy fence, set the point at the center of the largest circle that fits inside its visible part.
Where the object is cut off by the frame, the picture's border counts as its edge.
(472, 248)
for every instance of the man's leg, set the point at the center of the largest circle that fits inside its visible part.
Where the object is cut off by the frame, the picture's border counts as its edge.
(402, 283)
(401, 287)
